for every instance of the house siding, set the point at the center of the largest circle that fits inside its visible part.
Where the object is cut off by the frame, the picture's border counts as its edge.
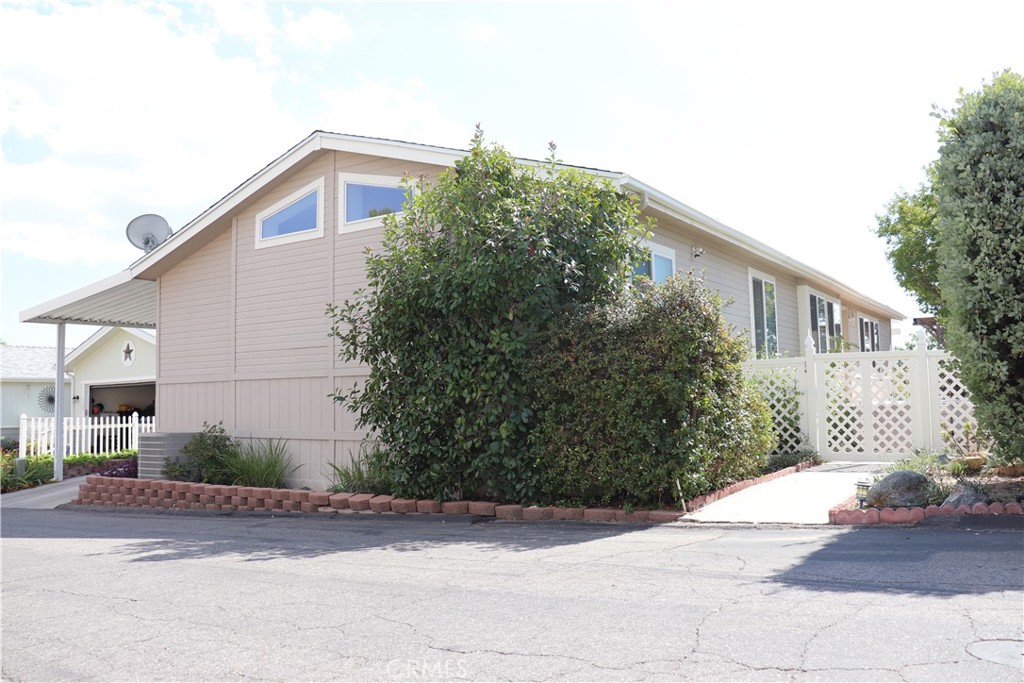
(195, 303)
(725, 269)
(244, 338)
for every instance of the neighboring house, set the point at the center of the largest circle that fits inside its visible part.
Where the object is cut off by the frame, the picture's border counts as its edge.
(238, 294)
(27, 384)
(116, 368)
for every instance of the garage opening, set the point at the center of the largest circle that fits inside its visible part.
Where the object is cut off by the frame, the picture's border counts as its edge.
(124, 399)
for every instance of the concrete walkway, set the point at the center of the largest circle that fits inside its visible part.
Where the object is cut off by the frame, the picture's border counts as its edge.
(801, 498)
(45, 497)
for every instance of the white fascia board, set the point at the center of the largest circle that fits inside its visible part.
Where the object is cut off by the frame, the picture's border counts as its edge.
(93, 339)
(391, 149)
(29, 315)
(100, 334)
(268, 174)
(673, 207)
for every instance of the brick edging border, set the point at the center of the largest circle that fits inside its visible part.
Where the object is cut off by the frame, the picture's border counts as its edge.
(178, 495)
(841, 515)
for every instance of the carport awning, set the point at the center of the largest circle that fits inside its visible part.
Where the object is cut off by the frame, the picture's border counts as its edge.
(117, 301)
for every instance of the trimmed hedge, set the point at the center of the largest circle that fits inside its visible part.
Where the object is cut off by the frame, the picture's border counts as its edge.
(644, 401)
(981, 192)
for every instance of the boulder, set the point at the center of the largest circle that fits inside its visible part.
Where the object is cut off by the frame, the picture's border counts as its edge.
(965, 494)
(902, 488)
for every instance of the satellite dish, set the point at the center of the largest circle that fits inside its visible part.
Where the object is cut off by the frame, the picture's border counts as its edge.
(148, 231)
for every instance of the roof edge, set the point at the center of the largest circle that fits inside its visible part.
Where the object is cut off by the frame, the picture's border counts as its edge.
(31, 315)
(673, 206)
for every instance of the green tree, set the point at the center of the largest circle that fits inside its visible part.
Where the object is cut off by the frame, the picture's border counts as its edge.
(471, 272)
(910, 229)
(980, 185)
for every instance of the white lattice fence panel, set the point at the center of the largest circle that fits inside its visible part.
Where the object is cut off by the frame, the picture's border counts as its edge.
(842, 400)
(780, 386)
(954, 410)
(891, 413)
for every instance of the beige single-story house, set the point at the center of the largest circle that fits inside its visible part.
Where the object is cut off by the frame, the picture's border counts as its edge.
(27, 385)
(238, 294)
(114, 368)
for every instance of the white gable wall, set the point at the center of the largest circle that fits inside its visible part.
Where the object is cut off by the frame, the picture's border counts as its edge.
(103, 364)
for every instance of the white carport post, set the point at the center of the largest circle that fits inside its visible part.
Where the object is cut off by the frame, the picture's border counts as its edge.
(58, 409)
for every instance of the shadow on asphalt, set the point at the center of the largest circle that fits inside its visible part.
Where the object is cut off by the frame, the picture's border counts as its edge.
(253, 538)
(970, 558)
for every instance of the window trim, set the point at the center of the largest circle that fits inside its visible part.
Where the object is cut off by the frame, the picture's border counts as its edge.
(861, 319)
(655, 249)
(317, 187)
(363, 179)
(837, 318)
(763, 277)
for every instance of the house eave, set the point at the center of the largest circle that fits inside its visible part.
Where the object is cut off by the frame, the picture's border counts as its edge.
(666, 204)
(115, 301)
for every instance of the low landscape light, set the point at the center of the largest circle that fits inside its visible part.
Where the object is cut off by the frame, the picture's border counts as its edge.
(862, 492)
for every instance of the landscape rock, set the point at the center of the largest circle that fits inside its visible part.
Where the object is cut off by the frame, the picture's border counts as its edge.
(964, 494)
(902, 488)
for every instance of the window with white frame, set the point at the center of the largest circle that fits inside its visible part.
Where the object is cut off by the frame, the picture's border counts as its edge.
(869, 337)
(659, 265)
(365, 199)
(297, 217)
(764, 321)
(826, 324)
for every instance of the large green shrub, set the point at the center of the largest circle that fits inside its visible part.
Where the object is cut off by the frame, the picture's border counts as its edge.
(470, 273)
(980, 184)
(644, 401)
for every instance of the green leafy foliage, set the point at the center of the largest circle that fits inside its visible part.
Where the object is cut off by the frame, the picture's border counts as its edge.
(911, 232)
(213, 457)
(39, 468)
(366, 473)
(208, 456)
(644, 400)
(980, 184)
(260, 462)
(37, 471)
(780, 461)
(471, 272)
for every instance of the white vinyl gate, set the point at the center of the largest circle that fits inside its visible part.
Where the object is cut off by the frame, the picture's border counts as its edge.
(864, 406)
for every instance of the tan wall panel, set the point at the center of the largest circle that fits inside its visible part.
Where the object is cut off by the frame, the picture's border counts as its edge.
(185, 407)
(289, 405)
(195, 305)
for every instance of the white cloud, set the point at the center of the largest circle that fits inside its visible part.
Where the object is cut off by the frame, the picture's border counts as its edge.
(140, 116)
(406, 112)
(318, 29)
(480, 32)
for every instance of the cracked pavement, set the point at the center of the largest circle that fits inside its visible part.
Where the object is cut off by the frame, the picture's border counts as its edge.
(124, 595)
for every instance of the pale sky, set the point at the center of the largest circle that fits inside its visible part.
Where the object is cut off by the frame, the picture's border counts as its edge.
(793, 122)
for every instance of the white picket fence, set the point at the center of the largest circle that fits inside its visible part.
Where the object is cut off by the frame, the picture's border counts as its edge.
(101, 434)
(865, 406)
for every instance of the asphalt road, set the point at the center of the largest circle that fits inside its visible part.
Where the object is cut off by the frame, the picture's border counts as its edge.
(119, 595)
